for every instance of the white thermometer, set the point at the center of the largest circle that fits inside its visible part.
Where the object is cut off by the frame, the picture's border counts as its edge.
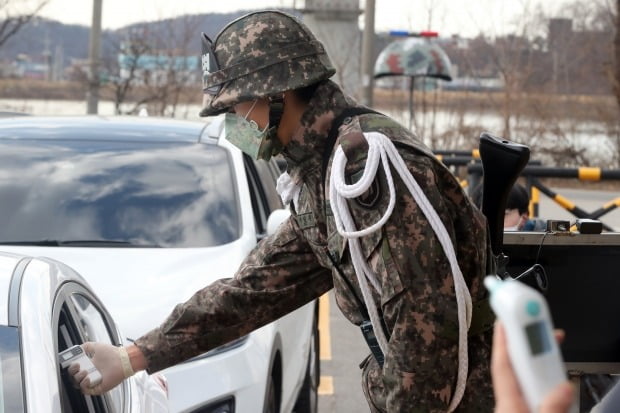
(76, 354)
(532, 347)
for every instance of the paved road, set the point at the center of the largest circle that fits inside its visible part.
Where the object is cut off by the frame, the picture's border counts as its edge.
(340, 389)
(343, 347)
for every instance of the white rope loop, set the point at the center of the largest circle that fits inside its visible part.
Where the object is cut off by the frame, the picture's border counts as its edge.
(340, 191)
(380, 148)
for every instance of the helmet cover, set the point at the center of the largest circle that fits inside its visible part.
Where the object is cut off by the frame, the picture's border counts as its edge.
(260, 55)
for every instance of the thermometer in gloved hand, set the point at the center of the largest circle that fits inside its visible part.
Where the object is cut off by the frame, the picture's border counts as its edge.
(76, 354)
(532, 347)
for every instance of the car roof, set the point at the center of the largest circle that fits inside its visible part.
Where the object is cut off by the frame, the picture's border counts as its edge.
(108, 128)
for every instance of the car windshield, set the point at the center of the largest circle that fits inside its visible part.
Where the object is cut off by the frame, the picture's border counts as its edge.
(116, 194)
(11, 397)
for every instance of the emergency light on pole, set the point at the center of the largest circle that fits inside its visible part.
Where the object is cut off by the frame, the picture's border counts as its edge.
(411, 57)
(405, 33)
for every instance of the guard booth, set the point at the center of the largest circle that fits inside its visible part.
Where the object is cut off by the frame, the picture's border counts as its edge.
(583, 293)
(577, 272)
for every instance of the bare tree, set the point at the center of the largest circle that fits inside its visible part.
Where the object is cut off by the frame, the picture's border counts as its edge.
(156, 68)
(555, 96)
(124, 67)
(12, 20)
(178, 69)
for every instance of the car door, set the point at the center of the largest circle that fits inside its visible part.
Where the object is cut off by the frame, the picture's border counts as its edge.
(295, 329)
(78, 316)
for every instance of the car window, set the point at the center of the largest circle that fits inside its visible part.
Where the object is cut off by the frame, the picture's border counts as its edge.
(90, 320)
(97, 193)
(260, 206)
(72, 399)
(79, 320)
(262, 178)
(268, 173)
(11, 394)
(94, 328)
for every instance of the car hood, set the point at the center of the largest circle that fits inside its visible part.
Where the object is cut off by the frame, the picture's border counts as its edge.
(141, 286)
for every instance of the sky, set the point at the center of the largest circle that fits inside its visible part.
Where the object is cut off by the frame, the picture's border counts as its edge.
(448, 17)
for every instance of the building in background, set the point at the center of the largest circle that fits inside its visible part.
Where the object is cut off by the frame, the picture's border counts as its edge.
(159, 67)
(32, 67)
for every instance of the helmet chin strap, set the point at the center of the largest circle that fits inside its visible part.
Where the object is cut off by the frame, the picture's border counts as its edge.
(276, 108)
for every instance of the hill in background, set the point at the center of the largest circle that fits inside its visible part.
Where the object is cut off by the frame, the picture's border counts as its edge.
(71, 41)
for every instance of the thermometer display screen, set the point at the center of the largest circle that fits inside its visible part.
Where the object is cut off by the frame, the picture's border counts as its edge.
(538, 337)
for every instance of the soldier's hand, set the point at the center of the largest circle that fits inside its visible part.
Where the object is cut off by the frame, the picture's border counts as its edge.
(508, 396)
(111, 361)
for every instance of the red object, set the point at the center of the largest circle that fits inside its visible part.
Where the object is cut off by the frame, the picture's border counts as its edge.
(428, 33)
(393, 62)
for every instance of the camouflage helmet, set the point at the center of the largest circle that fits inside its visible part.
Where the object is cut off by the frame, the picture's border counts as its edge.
(259, 55)
(413, 57)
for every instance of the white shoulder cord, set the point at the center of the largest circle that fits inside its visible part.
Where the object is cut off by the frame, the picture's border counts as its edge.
(381, 148)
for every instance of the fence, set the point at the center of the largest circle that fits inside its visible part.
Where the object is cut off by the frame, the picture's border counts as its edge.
(532, 174)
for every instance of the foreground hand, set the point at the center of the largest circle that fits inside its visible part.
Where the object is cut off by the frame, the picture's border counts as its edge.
(110, 362)
(508, 396)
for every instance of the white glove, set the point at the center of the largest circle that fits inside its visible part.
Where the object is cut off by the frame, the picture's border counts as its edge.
(111, 361)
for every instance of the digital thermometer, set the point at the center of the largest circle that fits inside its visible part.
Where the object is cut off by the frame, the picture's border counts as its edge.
(532, 347)
(76, 354)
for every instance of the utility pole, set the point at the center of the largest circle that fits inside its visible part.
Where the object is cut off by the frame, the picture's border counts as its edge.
(368, 48)
(94, 57)
(47, 54)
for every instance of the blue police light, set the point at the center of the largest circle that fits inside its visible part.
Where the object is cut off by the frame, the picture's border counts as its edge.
(401, 33)
(405, 33)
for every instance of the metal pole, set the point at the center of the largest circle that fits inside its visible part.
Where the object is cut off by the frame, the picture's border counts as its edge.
(94, 56)
(411, 90)
(368, 56)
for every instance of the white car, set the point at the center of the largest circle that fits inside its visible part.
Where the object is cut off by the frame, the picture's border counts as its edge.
(48, 307)
(149, 211)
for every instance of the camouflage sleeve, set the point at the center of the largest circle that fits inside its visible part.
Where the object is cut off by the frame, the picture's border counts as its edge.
(417, 290)
(280, 275)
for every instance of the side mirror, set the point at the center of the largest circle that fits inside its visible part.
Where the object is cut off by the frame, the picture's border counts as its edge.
(276, 217)
(215, 127)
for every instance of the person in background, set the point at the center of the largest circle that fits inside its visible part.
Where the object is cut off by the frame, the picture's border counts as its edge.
(517, 216)
(517, 209)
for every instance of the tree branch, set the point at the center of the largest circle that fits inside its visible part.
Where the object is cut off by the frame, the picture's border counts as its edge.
(11, 24)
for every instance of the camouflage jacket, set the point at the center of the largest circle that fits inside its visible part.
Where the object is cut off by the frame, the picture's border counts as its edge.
(298, 263)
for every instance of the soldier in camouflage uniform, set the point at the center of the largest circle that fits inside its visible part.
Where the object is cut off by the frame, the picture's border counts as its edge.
(263, 56)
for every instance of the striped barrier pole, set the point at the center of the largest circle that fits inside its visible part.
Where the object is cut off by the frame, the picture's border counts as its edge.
(565, 203)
